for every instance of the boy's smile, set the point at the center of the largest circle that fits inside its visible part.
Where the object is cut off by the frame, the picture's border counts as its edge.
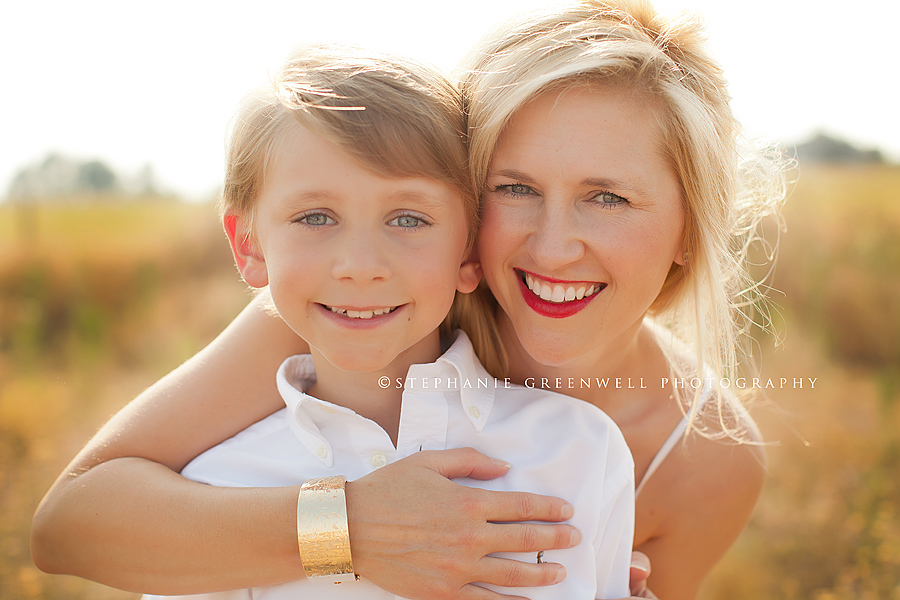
(363, 267)
(362, 313)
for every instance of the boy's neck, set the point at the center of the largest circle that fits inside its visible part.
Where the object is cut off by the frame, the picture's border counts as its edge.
(365, 392)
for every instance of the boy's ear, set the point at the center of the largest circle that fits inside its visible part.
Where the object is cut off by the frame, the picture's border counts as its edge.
(250, 262)
(469, 276)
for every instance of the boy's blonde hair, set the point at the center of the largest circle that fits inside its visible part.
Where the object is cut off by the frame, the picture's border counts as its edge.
(399, 118)
(707, 303)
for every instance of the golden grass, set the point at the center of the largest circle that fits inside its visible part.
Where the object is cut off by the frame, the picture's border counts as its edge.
(827, 526)
(99, 300)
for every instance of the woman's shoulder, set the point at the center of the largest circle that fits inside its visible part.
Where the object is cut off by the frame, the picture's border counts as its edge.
(699, 501)
(712, 479)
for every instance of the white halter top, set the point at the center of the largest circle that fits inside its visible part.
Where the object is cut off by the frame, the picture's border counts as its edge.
(664, 451)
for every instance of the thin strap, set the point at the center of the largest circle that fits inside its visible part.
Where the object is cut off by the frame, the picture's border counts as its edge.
(665, 449)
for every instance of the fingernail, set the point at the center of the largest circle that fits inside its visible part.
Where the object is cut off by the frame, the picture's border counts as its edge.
(640, 562)
(560, 575)
(639, 567)
(575, 538)
(502, 463)
(566, 512)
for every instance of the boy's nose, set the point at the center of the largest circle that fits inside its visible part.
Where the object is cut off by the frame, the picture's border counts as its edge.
(361, 258)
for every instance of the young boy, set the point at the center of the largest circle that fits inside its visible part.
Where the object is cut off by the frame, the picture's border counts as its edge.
(347, 195)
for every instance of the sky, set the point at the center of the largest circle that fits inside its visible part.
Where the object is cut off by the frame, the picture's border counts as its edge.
(157, 83)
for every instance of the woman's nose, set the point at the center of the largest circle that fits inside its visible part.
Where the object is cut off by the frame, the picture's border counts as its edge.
(555, 241)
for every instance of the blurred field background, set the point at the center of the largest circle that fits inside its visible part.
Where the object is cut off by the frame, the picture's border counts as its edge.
(99, 297)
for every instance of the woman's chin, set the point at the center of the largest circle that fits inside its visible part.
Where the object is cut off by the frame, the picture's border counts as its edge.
(551, 352)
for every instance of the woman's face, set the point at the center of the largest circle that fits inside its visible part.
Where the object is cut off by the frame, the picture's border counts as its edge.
(582, 221)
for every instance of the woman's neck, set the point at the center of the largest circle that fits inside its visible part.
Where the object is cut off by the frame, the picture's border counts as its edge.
(607, 377)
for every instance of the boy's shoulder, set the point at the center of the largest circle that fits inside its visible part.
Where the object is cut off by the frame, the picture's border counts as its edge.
(530, 405)
(265, 438)
(550, 414)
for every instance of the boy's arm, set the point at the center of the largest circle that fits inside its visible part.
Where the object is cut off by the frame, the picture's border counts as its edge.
(121, 515)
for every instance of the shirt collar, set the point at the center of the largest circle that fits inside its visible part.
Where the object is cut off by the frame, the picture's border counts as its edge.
(457, 370)
(296, 375)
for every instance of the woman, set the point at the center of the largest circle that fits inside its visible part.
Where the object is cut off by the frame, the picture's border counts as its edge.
(605, 149)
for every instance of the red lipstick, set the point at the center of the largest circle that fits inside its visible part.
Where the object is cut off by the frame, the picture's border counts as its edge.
(554, 310)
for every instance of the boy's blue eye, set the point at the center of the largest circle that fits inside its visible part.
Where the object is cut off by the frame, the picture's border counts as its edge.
(406, 221)
(315, 219)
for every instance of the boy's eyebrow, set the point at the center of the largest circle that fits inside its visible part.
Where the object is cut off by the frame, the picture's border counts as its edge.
(420, 198)
(302, 195)
(423, 199)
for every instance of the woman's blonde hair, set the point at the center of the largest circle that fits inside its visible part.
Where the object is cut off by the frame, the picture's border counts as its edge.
(707, 304)
(399, 118)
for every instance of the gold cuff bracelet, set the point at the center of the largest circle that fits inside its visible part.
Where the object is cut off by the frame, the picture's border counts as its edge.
(322, 531)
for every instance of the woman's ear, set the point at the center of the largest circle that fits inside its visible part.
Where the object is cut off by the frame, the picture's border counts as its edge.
(249, 261)
(682, 255)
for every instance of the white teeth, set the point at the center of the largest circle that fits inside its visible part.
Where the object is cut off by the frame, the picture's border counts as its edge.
(362, 314)
(558, 293)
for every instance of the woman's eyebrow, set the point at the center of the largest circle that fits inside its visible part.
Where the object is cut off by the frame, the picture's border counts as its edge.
(512, 174)
(601, 182)
(606, 183)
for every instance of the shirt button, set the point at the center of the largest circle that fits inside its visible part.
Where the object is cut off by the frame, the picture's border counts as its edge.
(473, 410)
(321, 451)
(378, 460)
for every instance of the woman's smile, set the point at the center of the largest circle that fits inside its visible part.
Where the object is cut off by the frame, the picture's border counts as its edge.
(556, 298)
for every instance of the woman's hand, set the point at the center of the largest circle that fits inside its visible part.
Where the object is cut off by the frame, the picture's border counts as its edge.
(640, 571)
(415, 533)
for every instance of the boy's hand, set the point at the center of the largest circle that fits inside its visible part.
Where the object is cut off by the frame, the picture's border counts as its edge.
(415, 533)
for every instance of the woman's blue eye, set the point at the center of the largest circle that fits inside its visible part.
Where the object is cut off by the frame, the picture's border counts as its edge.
(610, 199)
(519, 189)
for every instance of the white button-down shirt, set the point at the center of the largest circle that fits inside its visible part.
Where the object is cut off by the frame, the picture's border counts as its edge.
(556, 445)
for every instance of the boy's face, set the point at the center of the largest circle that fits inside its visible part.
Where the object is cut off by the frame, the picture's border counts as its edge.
(362, 267)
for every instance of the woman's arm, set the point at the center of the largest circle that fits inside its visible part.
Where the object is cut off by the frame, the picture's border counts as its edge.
(705, 493)
(120, 515)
